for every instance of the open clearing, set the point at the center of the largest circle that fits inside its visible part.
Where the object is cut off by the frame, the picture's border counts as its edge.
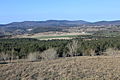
(52, 35)
(76, 68)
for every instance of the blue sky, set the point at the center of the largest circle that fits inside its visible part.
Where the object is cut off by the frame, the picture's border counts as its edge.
(38, 10)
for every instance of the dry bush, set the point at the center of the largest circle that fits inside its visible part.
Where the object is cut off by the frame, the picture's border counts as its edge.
(112, 52)
(49, 54)
(89, 52)
(73, 48)
(32, 56)
(9, 57)
(3, 56)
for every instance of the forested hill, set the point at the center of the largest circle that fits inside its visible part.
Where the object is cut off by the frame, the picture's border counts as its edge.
(48, 23)
(58, 23)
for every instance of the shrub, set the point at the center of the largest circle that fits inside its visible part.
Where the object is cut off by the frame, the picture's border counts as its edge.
(49, 54)
(111, 52)
(89, 52)
(4, 56)
(32, 56)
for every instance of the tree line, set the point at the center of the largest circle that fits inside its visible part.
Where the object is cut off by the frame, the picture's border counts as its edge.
(22, 47)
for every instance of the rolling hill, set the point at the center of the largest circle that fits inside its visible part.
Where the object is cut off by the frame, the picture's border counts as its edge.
(53, 25)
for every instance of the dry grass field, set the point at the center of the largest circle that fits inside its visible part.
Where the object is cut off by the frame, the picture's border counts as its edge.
(51, 35)
(76, 68)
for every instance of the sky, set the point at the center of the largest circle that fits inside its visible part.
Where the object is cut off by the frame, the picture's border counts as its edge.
(41, 10)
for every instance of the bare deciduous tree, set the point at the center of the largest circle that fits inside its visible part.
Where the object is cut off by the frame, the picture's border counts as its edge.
(32, 56)
(112, 52)
(89, 52)
(49, 54)
(4, 56)
(73, 46)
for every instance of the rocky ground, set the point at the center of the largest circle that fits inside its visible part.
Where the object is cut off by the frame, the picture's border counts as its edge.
(77, 68)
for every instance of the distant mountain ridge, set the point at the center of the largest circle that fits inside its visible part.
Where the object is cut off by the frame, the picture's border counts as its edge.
(58, 23)
(48, 23)
(116, 22)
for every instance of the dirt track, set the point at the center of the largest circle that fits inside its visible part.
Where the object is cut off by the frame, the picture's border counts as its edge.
(79, 68)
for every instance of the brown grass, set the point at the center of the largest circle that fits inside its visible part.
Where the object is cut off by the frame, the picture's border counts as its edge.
(77, 68)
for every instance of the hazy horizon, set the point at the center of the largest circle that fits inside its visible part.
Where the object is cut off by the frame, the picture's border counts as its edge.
(59, 20)
(39, 10)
